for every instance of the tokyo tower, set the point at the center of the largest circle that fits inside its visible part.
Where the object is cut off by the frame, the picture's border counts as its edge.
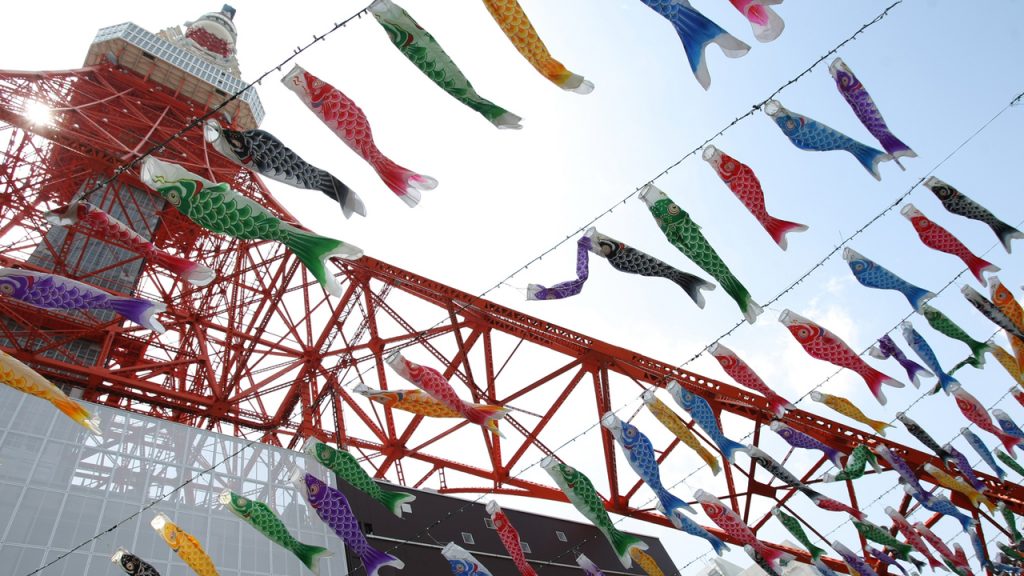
(263, 351)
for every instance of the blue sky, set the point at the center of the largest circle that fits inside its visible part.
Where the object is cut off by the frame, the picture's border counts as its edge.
(937, 69)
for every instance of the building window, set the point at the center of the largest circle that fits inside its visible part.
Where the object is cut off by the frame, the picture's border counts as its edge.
(489, 523)
(407, 508)
(525, 547)
(467, 538)
(561, 536)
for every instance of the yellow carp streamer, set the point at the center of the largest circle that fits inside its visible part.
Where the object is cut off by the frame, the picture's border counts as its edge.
(646, 562)
(420, 403)
(184, 545)
(1007, 361)
(846, 408)
(1004, 300)
(675, 424)
(21, 377)
(959, 485)
(516, 25)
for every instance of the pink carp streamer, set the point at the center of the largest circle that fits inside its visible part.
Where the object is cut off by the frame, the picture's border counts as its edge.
(938, 238)
(741, 179)
(822, 344)
(434, 383)
(510, 538)
(766, 23)
(112, 230)
(349, 123)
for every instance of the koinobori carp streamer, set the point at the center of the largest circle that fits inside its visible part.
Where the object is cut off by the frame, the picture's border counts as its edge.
(261, 152)
(639, 453)
(59, 293)
(741, 179)
(520, 31)
(509, 538)
(686, 236)
(822, 344)
(808, 134)
(220, 209)
(432, 382)
(582, 494)
(938, 238)
(625, 258)
(960, 204)
(350, 124)
(420, 47)
(346, 467)
(766, 23)
(333, 508)
(112, 230)
(569, 287)
(697, 31)
(266, 522)
(867, 112)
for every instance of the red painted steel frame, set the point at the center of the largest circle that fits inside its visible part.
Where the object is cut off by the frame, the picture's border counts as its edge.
(264, 349)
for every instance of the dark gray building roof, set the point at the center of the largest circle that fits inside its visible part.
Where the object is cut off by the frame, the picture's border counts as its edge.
(436, 519)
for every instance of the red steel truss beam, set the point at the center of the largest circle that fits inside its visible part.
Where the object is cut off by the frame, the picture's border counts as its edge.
(264, 348)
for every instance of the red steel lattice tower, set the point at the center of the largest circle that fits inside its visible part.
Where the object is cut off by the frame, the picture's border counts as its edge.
(264, 349)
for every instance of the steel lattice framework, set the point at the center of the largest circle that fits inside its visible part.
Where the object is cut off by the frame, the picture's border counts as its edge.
(264, 350)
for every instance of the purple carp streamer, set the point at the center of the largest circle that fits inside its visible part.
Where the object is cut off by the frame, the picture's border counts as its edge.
(59, 293)
(886, 348)
(569, 287)
(333, 508)
(588, 567)
(864, 107)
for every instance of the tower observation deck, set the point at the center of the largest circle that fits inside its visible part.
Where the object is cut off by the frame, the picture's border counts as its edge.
(199, 64)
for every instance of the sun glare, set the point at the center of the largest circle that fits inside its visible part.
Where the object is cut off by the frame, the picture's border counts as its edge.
(38, 113)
